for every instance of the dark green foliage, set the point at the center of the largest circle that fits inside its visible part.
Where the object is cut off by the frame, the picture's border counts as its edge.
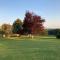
(53, 31)
(58, 35)
(17, 26)
(2, 32)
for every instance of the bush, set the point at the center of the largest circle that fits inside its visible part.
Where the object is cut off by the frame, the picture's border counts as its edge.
(2, 32)
(58, 35)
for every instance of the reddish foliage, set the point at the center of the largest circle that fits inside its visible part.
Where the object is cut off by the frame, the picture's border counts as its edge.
(33, 23)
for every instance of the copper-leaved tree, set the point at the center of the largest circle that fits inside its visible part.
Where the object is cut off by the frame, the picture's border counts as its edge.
(33, 24)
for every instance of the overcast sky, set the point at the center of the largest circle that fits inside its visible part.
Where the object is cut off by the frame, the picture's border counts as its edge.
(10, 10)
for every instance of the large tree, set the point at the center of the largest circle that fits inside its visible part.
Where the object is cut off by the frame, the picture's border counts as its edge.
(17, 26)
(33, 24)
(28, 22)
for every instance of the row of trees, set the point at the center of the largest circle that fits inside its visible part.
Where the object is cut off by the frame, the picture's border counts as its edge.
(55, 32)
(32, 24)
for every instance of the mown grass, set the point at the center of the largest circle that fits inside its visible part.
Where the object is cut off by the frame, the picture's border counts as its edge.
(29, 49)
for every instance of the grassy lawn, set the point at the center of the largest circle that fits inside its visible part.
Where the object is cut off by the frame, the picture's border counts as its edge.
(29, 49)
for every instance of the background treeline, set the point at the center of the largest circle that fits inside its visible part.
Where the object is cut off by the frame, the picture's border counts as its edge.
(55, 32)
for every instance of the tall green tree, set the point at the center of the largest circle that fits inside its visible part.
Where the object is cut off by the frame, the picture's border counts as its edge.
(17, 26)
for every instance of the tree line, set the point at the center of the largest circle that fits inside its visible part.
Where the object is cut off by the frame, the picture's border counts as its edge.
(32, 24)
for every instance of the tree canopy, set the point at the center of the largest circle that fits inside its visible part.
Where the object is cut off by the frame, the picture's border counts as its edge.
(33, 23)
(17, 26)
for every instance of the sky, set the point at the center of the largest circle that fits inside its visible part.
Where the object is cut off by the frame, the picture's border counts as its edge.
(49, 10)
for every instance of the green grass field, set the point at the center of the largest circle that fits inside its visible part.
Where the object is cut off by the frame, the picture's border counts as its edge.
(29, 49)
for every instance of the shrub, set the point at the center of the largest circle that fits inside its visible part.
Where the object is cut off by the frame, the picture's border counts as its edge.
(58, 35)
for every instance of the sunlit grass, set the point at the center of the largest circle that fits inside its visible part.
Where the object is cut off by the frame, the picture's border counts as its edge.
(38, 48)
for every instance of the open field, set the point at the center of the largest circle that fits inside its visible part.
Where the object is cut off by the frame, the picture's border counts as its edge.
(30, 49)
